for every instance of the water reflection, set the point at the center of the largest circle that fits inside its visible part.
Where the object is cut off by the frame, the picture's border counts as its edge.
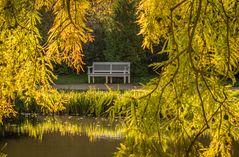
(61, 136)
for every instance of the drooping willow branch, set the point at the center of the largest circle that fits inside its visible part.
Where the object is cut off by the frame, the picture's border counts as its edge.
(190, 50)
(227, 38)
(202, 130)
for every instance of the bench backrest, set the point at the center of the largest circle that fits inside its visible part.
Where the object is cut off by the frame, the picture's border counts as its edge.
(111, 67)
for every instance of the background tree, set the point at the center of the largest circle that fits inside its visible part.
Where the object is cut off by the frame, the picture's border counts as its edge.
(25, 64)
(191, 98)
(97, 19)
(122, 40)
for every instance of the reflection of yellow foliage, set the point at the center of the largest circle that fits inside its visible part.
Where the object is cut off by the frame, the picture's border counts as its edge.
(93, 128)
(3, 155)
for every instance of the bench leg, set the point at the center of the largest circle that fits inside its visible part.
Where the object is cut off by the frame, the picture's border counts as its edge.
(111, 80)
(128, 79)
(124, 79)
(93, 79)
(106, 79)
(88, 79)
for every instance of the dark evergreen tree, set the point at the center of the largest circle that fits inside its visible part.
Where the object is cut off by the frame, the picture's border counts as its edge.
(97, 20)
(122, 41)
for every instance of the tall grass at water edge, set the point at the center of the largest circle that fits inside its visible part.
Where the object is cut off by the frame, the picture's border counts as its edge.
(84, 103)
(89, 103)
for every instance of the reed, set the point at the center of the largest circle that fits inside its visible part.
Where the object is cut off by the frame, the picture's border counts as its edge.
(91, 103)
(94, 103)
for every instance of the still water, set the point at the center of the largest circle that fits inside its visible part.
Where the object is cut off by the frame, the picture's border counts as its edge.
(60, 136)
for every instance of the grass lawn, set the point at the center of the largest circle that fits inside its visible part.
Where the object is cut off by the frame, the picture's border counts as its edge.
(83, 78)
(71, 79)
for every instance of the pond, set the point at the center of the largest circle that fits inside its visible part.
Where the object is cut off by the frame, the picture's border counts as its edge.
(60, 136)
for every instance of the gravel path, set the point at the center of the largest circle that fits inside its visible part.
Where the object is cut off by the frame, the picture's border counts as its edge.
(97, 86)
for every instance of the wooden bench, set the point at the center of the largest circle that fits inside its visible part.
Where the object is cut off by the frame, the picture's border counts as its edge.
(109, 70)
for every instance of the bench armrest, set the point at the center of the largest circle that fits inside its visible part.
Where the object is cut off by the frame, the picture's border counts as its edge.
(89, 69)
(126, 69)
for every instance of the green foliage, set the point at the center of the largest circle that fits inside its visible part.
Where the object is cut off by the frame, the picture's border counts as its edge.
(188, 101)
(25, 65)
